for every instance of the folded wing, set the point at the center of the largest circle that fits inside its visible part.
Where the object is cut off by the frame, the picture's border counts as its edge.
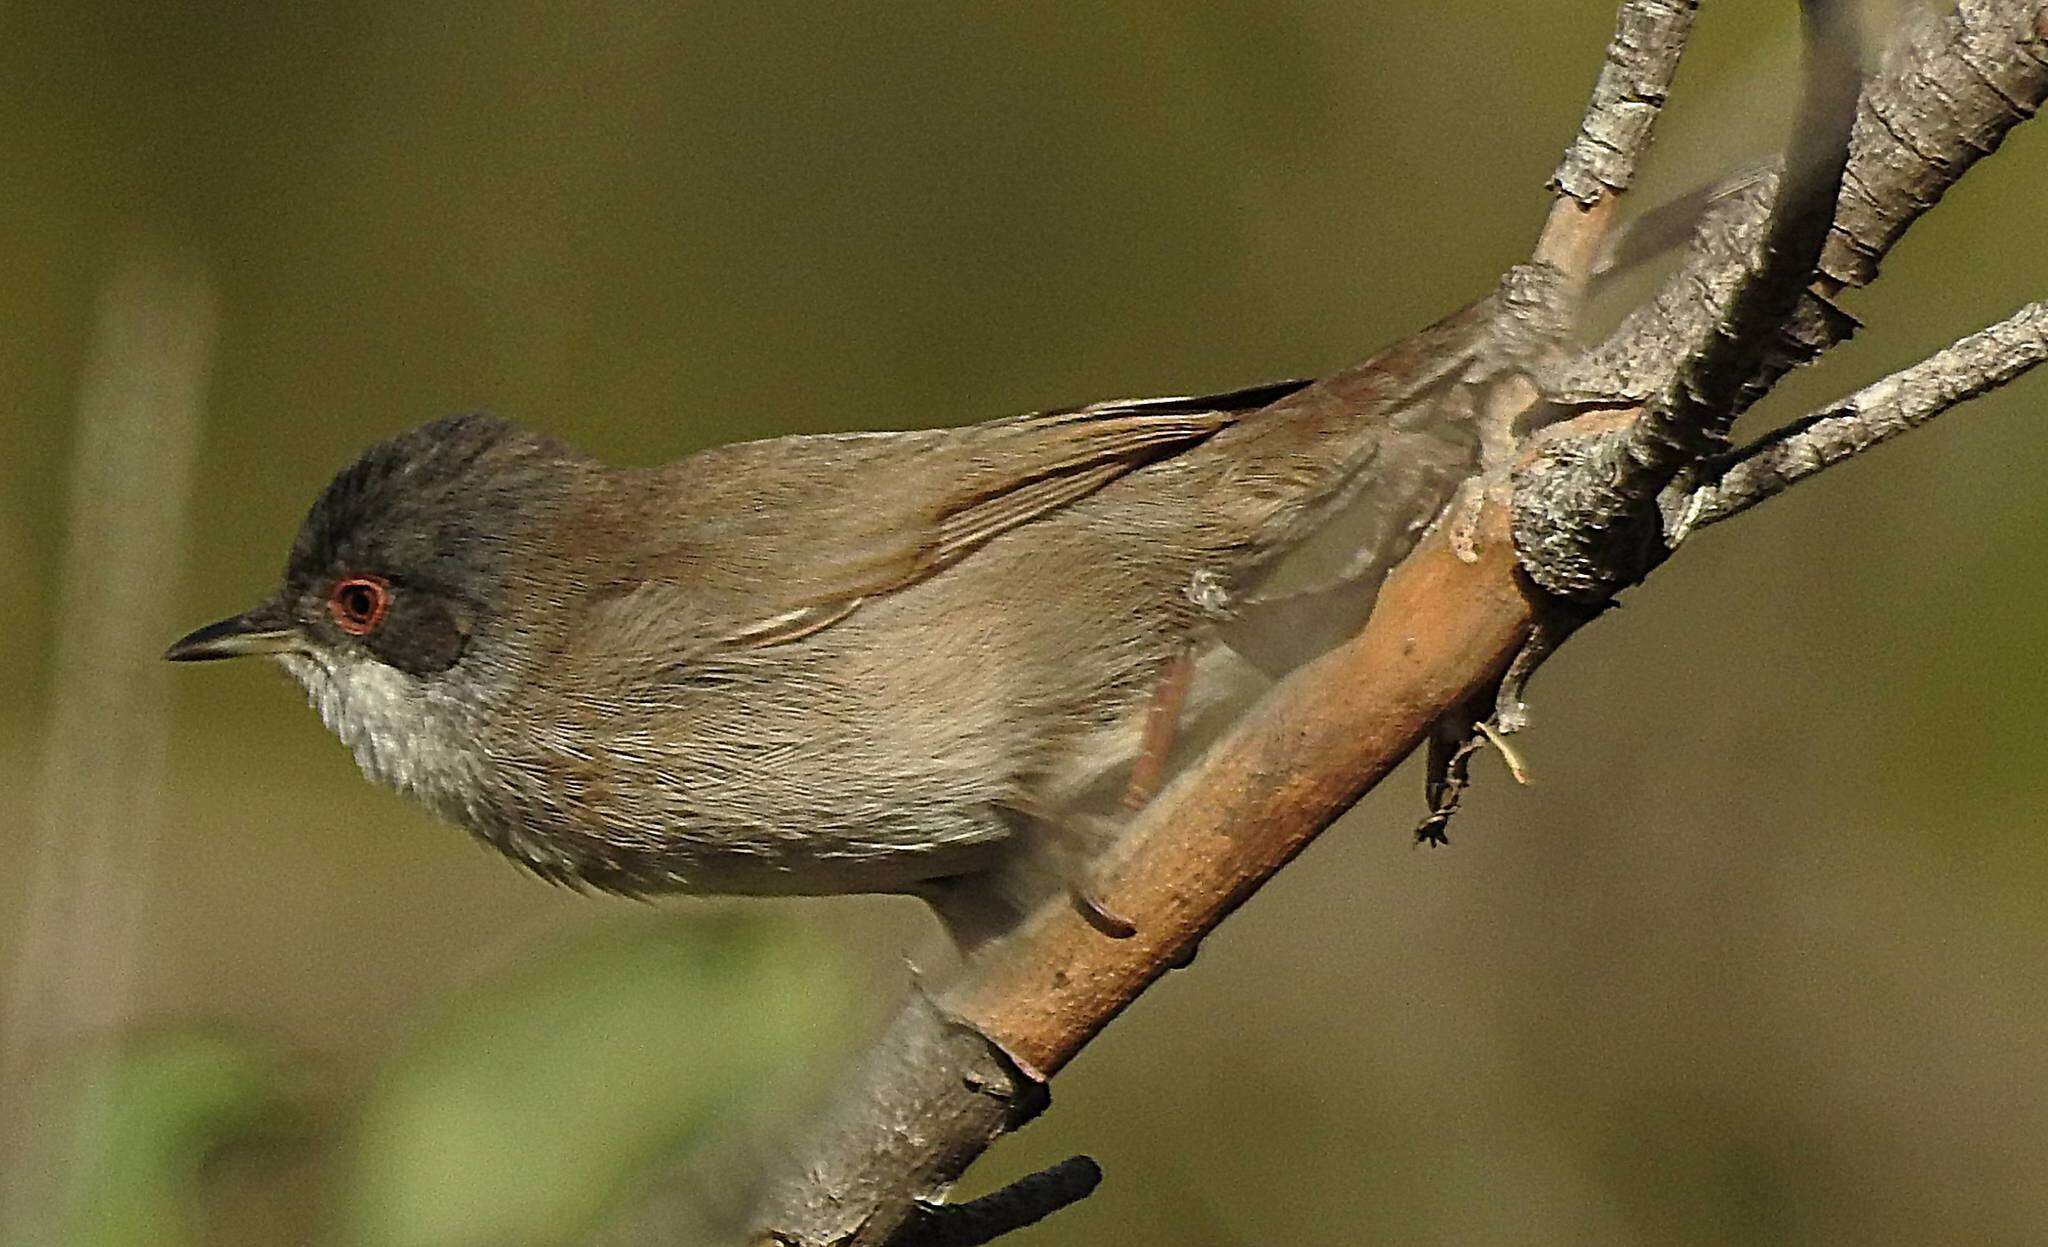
(791, 536)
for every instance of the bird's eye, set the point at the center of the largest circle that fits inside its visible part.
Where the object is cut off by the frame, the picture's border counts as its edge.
(358, 603)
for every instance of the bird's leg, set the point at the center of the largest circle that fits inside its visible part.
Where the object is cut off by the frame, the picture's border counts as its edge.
(1452, 742)
(1100, 916)
(1050, 853)
(1148, 775)
(1063, 839)
(1162, 727)
(1489, 718)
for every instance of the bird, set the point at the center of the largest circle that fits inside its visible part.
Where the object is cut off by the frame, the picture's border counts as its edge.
(879, 662)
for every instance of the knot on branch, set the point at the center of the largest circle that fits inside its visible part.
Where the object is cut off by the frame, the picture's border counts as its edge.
(1576, 535)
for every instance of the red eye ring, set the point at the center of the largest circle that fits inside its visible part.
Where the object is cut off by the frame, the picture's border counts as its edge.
(358, 603)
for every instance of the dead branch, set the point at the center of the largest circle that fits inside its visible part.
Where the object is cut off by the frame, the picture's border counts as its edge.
(1873, 415)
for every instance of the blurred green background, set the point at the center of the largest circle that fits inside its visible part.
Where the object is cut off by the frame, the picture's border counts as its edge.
(1759, 958)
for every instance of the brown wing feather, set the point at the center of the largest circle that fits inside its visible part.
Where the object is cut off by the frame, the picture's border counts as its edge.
(789, 536)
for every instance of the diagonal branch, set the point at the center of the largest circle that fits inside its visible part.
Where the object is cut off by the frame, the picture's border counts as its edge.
(1635, 80)
(1599, 506)
(1946, 95)
(955, 1073)
(1950, 88)
(951, 1076)
(1945, 98)
(1877, 413)
(1701, 401)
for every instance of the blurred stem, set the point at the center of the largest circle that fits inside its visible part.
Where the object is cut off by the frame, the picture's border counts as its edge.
(168, 1106)
(98, 795)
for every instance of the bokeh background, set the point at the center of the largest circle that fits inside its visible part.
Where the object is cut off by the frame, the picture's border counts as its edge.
(1758, 958)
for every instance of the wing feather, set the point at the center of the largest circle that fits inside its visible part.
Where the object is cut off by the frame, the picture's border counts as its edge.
(789, 537)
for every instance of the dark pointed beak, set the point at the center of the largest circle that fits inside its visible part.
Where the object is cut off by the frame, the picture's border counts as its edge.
(264, 630)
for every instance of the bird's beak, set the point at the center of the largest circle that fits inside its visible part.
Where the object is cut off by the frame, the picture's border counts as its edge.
(264, 630)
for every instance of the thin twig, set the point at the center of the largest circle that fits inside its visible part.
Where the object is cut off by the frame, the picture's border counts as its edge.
(1635, 79)
(1877, 413)
(1027, 1201)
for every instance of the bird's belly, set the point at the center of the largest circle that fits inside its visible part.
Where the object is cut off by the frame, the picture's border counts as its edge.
(764, 825)
(826, 865)
(886, 750)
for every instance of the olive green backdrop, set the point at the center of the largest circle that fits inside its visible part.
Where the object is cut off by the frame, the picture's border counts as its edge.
(1758, 958)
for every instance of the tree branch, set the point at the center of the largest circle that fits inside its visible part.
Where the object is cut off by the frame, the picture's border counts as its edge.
(1944, 99)
(1635, 80)
(1949, 88)
(1586, 523)
(1701, 400)
(1027, 1201)
(953, 1074)
(1877, 413)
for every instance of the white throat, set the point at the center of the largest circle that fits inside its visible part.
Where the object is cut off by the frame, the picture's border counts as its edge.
(401, 733)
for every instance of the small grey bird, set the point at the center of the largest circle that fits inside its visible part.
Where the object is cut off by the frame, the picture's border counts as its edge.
(870, 662)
